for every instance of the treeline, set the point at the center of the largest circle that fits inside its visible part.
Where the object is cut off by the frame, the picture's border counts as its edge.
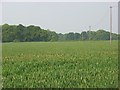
(88, 35)
(20, 33)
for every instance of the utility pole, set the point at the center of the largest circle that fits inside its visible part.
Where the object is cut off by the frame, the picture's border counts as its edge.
(110, 24)
(89, 32)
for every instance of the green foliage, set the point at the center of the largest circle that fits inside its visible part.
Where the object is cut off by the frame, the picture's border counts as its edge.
(81, 64)
(77, 36)
(89, 35)
(22, 33)
(16, 40)
(0, 33)
(84, 35)
(102, 35)
(70, 36)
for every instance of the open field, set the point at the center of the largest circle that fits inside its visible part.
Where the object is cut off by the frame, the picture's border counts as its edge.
(79, 64)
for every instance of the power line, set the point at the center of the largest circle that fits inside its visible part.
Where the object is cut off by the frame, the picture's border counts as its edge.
(101, 19)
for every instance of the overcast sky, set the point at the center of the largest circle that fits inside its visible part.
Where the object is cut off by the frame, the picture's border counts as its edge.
(61, 17)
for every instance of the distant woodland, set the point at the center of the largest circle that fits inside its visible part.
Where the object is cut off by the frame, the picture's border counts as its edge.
(21, 33)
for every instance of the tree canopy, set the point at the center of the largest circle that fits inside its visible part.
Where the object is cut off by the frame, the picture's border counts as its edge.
(21, 33)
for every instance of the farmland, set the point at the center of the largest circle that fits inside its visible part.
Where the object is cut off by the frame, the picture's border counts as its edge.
(75, 64)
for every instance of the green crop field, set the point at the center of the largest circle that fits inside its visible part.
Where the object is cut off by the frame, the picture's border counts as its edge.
(77, 64)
